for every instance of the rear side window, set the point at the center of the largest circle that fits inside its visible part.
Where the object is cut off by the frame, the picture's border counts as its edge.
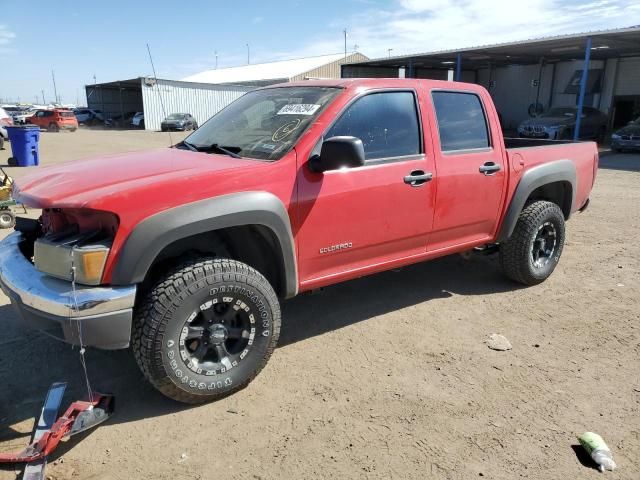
(386, 122)
(67, 114)
(462, 124)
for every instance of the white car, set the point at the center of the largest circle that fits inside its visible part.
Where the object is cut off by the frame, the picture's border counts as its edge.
(20, 118)
(88, 115)
(5, 120)
(138, 120)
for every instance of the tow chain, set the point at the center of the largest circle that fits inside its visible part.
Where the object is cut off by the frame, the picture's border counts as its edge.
(79, 327)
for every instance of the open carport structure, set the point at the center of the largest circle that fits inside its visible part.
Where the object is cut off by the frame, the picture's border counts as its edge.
(157, 98)
(598, 69)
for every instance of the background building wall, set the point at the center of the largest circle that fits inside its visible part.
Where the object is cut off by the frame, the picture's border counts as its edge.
(199, 99)
(330, 70)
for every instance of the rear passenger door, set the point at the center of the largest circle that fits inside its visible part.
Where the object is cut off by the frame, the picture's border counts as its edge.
(471, 174)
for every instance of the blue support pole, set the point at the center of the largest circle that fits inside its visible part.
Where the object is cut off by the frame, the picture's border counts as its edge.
(458, 67)
(583, 88)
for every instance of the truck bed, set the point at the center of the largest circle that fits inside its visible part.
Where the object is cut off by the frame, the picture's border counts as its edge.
(527, 153)
(516, 142)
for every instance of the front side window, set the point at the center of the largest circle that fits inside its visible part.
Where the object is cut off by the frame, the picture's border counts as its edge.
(386, 122)
(264, 124)
(462, 124)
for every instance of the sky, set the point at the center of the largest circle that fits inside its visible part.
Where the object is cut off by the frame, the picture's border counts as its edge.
(78, 39)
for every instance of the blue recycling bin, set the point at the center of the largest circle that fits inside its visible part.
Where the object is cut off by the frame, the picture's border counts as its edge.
(24, 145)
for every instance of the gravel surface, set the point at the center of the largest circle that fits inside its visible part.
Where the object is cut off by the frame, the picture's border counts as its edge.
(388, 376)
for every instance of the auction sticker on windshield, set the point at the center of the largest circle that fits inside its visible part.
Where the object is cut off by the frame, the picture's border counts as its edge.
(299, 109)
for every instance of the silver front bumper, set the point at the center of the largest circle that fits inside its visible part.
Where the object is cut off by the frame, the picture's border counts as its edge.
(102, 314)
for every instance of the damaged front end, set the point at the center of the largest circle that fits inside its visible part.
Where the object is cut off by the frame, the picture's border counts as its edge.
(52, 270)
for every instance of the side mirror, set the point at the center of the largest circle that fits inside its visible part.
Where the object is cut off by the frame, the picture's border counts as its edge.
(338, 152)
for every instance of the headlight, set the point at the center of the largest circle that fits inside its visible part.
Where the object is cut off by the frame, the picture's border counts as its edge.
(75, 244)
(64, 260)
(615, 136)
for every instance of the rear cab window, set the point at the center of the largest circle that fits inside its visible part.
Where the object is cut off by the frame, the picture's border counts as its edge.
(462, 122)
(386, 122)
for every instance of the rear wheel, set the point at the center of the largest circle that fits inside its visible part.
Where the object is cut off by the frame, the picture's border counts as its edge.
(53, 127)
(206, 329)
(1, 143)
(533, 250)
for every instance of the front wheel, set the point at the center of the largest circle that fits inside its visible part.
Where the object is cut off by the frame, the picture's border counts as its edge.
(53, 127)
(534, 248)
(206, 329)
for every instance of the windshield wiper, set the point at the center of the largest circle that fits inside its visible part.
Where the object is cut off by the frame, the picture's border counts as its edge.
(215, 146)
(188, 145)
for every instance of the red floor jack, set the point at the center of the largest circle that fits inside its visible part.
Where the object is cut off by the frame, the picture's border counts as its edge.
(50, 430)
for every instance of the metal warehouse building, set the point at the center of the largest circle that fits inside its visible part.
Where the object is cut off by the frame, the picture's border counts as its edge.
(529, 76)
(206, 93)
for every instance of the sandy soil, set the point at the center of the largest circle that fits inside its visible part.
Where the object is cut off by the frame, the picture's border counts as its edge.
(384, 377)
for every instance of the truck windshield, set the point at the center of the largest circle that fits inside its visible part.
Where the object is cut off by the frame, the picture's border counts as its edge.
(263, 124)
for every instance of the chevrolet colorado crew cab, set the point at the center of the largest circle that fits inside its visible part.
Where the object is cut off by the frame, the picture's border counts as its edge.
(184, 253)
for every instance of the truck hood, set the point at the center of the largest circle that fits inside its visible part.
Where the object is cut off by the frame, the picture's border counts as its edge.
(85, 183)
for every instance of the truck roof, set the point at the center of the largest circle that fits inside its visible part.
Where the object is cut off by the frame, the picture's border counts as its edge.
(379, 83)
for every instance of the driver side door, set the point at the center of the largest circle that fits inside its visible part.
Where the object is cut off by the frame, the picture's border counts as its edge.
(355, 220)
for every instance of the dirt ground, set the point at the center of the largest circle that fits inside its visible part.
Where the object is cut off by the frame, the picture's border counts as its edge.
(388, 376)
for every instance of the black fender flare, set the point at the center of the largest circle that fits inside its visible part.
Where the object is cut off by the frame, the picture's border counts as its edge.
(155, 233)
(536, 177)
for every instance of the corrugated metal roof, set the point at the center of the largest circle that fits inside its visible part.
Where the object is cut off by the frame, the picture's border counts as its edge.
(531, 41)
(281, 70)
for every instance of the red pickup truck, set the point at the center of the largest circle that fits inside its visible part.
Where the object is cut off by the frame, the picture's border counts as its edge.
(183, 253)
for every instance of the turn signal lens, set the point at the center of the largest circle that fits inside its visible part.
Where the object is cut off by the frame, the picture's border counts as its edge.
(93, 264)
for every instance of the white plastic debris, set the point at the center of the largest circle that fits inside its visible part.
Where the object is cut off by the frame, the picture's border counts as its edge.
(498, 342)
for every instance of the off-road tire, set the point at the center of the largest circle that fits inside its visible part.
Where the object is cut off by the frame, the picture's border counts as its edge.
(1, 142)
(162, 320)
(516, 257)
(53, 127)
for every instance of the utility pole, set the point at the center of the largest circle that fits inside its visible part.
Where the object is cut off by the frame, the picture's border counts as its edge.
(248, 55)
(55, 90)
(43, 101)
(389, 50)
(216, 54)
(345, 42)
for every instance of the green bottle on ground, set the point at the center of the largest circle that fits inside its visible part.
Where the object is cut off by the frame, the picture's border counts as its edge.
(599, 451)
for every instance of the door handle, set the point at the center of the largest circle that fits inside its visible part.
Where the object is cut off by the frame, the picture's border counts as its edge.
(417, 178)
(489, 168)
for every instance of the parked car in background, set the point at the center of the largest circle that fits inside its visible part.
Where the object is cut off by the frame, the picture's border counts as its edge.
(5, 121)
(117, 121)
(88, 116)
(138, 120)
(627, 138)
(179, 121)
(55, 120)
(20, 118)
(559, 124)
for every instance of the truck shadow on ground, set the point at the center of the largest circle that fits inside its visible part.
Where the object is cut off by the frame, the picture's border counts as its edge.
(31, 361)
